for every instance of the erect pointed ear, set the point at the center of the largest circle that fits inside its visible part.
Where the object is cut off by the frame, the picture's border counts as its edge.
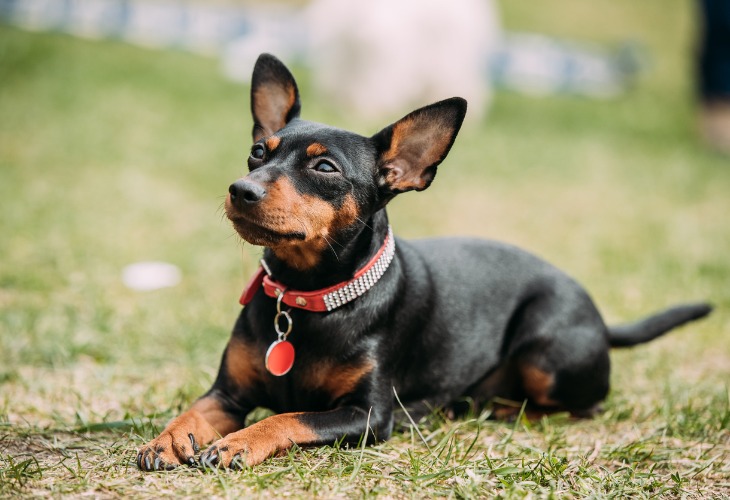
(274, 96)
(412, 148)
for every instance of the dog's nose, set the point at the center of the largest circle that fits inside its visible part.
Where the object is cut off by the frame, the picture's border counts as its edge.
(246, 192)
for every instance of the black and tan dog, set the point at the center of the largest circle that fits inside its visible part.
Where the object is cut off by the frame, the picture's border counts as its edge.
(342, 314)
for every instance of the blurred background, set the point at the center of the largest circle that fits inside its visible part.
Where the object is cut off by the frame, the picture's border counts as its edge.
(122, 123)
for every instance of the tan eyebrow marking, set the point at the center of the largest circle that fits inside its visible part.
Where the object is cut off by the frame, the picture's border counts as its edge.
(273, 142)
(316, 149)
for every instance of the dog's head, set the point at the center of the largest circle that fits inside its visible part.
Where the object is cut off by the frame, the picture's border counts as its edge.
(309, 184)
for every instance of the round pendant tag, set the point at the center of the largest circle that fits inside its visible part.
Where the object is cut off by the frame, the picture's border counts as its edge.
(280, 357)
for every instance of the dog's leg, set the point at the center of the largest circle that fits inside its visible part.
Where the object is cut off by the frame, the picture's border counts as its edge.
(566, 371)
(178, 444)
(275, 434)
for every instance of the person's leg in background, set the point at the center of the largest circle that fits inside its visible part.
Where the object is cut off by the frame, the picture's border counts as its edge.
(714, 73)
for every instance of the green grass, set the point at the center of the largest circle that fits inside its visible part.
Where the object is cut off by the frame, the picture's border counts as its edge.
(111, 154)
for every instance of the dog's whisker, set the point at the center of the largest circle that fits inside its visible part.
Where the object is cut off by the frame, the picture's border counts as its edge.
(301, 223)
(327, 240)
(364, 223)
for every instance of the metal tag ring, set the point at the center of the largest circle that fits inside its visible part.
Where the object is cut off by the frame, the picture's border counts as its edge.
(289, 324)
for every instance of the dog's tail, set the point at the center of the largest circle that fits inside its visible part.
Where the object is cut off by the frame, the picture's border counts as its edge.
(657, 324)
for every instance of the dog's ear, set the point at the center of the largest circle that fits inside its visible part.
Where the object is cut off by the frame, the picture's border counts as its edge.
(274, 96)
(411, 148)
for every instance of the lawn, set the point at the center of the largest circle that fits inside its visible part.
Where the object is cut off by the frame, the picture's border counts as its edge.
(111, 154)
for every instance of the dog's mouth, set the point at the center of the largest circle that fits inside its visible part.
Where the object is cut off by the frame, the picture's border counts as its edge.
(296, 228)
(292, 247)
(260, 233)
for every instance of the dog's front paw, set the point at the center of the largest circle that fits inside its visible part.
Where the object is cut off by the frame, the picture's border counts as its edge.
(235, 451)
(168, 450)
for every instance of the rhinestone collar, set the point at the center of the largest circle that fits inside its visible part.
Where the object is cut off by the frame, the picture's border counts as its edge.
(326, 299)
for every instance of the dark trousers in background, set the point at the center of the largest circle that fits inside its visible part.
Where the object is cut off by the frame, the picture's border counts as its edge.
(713, 74)
(714, 60)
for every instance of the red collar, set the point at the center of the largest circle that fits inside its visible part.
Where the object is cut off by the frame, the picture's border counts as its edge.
(331, 297)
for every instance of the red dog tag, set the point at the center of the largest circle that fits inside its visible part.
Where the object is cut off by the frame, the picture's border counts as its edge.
(280, 357)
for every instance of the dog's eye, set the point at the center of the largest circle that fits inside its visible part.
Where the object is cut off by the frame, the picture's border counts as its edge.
(257, 151)
(325, 167)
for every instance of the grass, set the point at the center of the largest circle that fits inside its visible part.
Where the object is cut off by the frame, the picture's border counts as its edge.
(111, 154)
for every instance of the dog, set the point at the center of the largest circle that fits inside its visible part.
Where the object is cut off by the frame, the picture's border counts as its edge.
(343, 320)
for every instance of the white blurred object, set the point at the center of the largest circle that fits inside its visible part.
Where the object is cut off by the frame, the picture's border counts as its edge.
(381, 57)
(151, 275)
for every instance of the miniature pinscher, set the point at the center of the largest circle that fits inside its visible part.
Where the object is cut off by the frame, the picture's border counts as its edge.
(343, 322)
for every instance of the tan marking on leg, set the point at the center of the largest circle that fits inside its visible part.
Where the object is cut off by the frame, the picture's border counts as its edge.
(217, 419)
(316, 149)
(264, 439)
(538, 384)
(336, 380)
(243, 364)
(510, 412)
